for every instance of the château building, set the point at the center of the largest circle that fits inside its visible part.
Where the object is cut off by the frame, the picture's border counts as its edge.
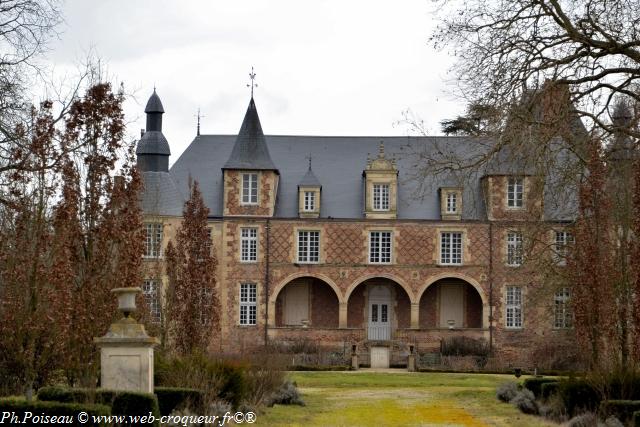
(338, 240)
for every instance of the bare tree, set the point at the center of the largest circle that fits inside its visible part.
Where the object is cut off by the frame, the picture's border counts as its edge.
(506, 48)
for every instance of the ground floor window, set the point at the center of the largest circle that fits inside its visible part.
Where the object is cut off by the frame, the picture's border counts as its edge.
(514, 307)
(151, 293)
(248, 304)
(563, 317)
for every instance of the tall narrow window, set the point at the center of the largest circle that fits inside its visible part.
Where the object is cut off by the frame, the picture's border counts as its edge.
(153, 240)
(249, 188)
(205, 295)
(514, 249)
(151, 293)
(309, 201)
(452, 203)
(563, 317)
(451, 248)
(249, 245)
(248, 304)
(380, 197)
(308, 246)
(514, 307)
(515, 189)
(380, 247)
(563, 239)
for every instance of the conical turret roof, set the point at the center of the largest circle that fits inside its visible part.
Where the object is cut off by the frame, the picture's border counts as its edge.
(250, 149)
(309, 180)
(154, 105)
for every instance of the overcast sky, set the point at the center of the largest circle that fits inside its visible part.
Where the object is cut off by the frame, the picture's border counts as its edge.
(324, 67)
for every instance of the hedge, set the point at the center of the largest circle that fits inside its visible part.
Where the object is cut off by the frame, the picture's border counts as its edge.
(38, 408)
(535, 384)
(621, 409)
(131, 403)
(578, 395)
(170, 398)
(549, 389)
(77, 395)
(636, 419)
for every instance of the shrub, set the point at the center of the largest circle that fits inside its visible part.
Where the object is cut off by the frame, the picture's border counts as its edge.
(526, 402)
(287, 394)
(58, 409)
(613, 422)
(507, 391)
(636, 419)
(621, 409)
(578, 395)
(217, 379)
(464, 346)
(173, 398)
(549, 389)
(131, 403)
(535, 385)
(588, 419)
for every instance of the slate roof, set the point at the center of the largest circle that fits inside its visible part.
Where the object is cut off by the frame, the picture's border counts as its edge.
(154, 105)
(309, 180)
(339, 162)
(161, 195)
(153, 142)
(250, 149)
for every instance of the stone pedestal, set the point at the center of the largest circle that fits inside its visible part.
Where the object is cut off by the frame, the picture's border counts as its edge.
(126, 354)
(354, 361)
(411, 363)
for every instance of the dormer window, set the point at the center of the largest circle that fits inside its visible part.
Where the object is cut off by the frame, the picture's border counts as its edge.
(249, 188)
(309, 201)
(380, 197)
(451, 203)
(515, 191)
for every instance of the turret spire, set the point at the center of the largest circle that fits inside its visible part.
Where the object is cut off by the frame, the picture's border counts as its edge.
(153, 149)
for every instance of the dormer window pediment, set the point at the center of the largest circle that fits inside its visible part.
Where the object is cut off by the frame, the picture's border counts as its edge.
(381, 187)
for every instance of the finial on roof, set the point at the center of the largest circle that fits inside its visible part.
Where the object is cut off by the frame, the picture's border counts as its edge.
(199, 116)
(253, 83)
(309, 159)
(381, 150)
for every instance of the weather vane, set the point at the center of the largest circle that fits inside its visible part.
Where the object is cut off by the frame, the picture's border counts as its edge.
(199, 117)
(253, 83)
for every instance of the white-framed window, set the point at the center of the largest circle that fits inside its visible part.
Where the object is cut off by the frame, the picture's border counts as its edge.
(204, 296)
(562, 314)
(309, 204)
(560, 246)
(515, 191)
(153, 240)
(452, 203)
(249, 188)
(308, 246)
(514, 307)
(248, 303)
(380, 247)
(451, 248)
(514, 249)
(249, 244)
(380, 197)
(151, 293)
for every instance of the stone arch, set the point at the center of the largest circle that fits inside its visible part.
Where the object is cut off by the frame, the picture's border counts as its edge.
(391, 277)
(468, 280)
(284, 282)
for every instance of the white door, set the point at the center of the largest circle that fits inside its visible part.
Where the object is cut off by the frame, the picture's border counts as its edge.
(296, 303)
(451, 305)
(379, 357)
(379, 313)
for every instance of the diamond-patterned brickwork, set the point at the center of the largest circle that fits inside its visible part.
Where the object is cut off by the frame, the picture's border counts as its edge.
(346, 244)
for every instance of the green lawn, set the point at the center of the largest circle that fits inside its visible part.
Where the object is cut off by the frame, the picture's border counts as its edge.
(397, 399)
